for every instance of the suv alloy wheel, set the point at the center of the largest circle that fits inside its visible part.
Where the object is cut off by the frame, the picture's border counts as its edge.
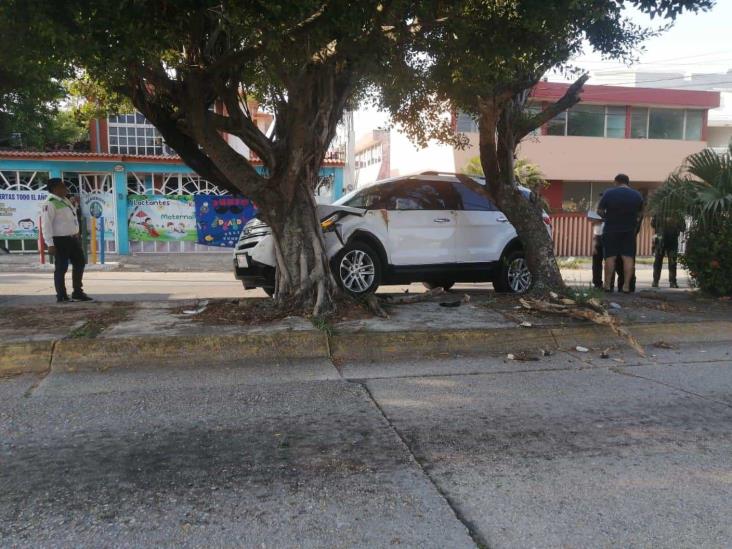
(514, 275)
(357, 268)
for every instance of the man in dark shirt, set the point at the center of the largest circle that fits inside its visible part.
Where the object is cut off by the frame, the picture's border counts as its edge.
(620, 207)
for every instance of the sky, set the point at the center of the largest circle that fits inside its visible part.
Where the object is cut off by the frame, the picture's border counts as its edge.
(696, 43)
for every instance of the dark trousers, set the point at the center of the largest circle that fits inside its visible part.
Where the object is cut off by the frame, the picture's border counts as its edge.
(597, 261)
(665, 247)
(68, 249)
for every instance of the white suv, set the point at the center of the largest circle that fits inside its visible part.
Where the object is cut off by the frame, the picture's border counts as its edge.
(432, 228)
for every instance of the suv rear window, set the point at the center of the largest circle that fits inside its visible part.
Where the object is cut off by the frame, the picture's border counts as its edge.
(420, 194)
(472, 198)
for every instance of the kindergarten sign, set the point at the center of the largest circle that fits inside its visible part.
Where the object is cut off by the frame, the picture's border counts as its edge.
(100, 205)
(161, 218)
(220, 219)
(19, 212)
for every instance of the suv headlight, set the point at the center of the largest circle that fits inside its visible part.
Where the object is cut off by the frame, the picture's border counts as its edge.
(328, 224)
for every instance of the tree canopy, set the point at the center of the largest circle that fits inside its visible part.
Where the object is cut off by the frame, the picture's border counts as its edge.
(484, 58)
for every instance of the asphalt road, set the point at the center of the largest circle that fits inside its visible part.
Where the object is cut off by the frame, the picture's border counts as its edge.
(579, 452)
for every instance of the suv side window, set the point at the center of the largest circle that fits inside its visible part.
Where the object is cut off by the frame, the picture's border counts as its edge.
(417, 194)
(372, 198)
(473, 200)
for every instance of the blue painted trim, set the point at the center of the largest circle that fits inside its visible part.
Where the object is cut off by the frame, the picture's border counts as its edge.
(338, 183)
(120, 190)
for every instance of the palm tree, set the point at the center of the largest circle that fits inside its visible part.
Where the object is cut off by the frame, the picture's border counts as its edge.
(701, 189)
(527, 174)
(701, 192)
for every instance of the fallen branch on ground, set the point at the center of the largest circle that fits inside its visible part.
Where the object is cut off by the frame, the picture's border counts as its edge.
(593, 311)
(414, 298)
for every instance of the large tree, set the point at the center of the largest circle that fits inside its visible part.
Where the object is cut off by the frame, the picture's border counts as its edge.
(194, 67)
(32, 70)
(484, 57)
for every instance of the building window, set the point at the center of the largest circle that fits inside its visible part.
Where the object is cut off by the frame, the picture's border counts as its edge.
(694, 123)
(615, 122)
(581, 196)
(133, 134)
(666, 124)
(466, 123)
(557, 125)
(586, 120)
(638, 123)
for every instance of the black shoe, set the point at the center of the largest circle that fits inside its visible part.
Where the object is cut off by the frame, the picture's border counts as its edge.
(80, 296)
(654, 285)
(62, 299)
(673, 285)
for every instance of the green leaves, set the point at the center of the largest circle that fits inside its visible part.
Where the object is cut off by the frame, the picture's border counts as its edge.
(701, 189)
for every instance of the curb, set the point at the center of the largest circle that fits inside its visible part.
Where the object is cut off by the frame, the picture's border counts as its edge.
(71, 355)
(25, 357)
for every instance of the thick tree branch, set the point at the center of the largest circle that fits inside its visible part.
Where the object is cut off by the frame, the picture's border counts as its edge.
(570, 98)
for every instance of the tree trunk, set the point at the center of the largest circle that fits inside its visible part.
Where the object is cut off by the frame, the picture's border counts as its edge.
(497, 150)
(538, 246)
(303, 276)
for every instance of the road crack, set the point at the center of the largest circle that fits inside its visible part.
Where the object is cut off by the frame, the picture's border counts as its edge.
(473, 531)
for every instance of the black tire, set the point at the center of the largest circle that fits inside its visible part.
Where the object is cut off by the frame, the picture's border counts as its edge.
(445, 285)
(513, 276)
(350, 269)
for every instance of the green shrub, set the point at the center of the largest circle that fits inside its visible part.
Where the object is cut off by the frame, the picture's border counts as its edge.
(709, 256)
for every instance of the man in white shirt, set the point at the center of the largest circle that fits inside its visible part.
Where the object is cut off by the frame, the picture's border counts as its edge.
(60, 227)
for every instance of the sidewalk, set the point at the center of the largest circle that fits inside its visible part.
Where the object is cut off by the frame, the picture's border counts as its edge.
(107, 335)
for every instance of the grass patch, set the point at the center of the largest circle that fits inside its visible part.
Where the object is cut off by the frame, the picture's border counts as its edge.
(570, 262)
(323, 324)
(583, 295)
(100, 320)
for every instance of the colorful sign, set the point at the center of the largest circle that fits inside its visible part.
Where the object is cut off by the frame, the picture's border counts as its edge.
(100, 205)
(19, 213)
(220, 219)
(161, 218)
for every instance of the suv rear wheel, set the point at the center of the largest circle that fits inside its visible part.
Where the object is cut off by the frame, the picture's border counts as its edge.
(514, 275)
(357, 268)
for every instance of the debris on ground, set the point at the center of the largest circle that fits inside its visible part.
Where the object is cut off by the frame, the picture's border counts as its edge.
(546, 352)
(198, 310)
(605, 353)
(526, 324)
(591, 310)
(664, 345)
(581, 349)
(522, 356)
(614, 305)
(414, 298)
(466, 298)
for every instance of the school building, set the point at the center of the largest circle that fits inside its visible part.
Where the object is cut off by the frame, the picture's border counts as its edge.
(129, 160)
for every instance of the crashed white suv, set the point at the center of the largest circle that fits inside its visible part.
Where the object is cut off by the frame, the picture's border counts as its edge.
(432, 228)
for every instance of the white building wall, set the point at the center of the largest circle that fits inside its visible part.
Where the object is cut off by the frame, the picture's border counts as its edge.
(406, 157)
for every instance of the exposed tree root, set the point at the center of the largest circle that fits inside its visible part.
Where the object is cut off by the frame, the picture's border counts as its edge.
(414, 298)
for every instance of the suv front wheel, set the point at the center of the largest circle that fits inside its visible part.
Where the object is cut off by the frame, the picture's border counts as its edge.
(514, 275)
(357, 268)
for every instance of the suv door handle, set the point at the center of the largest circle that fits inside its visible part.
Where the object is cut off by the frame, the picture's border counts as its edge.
(441, 220)
(502, 219)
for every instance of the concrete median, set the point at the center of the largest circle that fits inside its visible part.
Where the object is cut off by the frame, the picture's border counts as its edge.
(89, 354)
